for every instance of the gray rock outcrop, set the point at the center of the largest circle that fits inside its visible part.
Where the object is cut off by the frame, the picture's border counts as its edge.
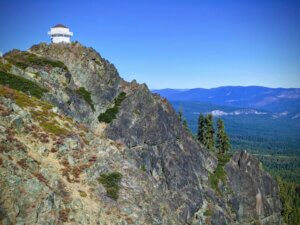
(255, 192)
(54, 150)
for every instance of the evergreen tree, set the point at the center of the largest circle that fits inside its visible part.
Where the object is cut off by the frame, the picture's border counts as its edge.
(185, 125)
(182, 119)
(180, 113)
(209, 132)
(201, 128)
(222, 144)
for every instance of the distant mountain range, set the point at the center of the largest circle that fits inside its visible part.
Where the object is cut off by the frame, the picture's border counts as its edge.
(256, 118)
(276, 100)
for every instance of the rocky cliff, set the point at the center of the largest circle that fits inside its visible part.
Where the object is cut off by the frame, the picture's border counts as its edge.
(79, 145)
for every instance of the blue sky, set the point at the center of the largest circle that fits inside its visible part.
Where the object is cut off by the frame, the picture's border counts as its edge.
(175, 44)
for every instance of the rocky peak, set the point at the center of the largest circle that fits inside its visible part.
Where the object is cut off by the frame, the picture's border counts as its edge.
(85, 64)
(100, 150)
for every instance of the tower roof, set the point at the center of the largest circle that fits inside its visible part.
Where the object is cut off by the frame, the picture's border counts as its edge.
(60, 25)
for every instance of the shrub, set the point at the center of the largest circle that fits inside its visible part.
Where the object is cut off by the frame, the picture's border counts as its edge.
(108, 115)
(111, 182)
(290, 199)
(5, 67)
(52, 127)
(43, 115)
(208, 212)
(86, 96)
(219, 174)
(82, 193)
(143, 168)
(120, 98)
(21, 84)
(111, 113)
(26, 59)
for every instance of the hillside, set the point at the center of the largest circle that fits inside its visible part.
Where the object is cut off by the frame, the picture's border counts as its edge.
(258, 131)
(79, 145)
(259, 119)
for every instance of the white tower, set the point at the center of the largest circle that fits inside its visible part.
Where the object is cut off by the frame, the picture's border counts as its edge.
(60, 33)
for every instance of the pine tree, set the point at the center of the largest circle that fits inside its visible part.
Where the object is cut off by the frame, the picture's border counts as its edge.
(185, 125)
(209, 132)
(182, 119)
(222, 144)
(201, 128)
(180, 113)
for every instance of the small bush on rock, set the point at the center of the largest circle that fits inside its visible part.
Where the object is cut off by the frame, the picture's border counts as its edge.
(219, 174)
(86, 96)
(5, 67)
(21, 84)
(111, 113)
(208, 212)
(111, 182)
(82, 193)
(26, 59)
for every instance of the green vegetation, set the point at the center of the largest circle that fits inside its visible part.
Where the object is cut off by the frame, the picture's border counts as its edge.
(111, 182)
(82, 193)
(47, 121)
(5, 67)
(222, 144)
(20, 98)
(111, 113)
(183, 121)
(261, 134)
(286, 167)
(201, 125)
(86, 96)
(180, 114)
(219, 174)
(205, 134)
(208, 212)
(290, 197)
(40, 111)
(185, 125)
(206, 131)
(52, 127)
(209, 132)
(275, 142)
(143, 168)
(26, 59)
(21, 84)
(120, 98)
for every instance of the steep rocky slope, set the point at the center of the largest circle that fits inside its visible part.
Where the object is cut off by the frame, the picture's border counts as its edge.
(79, 145)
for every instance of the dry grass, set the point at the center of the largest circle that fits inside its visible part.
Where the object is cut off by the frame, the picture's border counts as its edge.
(40, 111)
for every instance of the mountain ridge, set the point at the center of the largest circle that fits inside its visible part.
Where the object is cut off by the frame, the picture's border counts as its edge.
(223, 87)
(272, 99)
(61, 164)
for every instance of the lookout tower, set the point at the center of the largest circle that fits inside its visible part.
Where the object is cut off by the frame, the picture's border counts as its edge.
(60, 33)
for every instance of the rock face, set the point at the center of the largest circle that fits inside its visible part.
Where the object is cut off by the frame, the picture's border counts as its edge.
(255, 195)
(58, 163)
